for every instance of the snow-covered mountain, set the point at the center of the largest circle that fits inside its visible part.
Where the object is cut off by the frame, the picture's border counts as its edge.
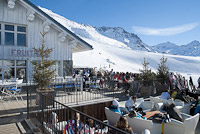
(124, 38)
(191, 49)
(120, 56)
(135, 43)
(130, 39)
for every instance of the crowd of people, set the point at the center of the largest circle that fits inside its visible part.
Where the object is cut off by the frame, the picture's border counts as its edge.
(128, 80)
(180, 82)
(131, 109)
(108, 79)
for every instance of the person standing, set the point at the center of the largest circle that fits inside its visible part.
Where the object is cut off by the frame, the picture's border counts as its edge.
(191, 83)
(198, 82)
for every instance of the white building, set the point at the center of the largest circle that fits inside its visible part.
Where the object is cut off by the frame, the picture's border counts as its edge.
(20, 25)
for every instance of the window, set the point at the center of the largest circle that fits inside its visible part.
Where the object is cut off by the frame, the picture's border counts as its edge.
(21, 73)
(9, 27)
(21, 69)
(9, 69)
(21, 36)
(58, 68)
(9, 72)
(14, 35)
(20, 63)
(9, 34)
(14, 69)
(67, 67)
(9, 63)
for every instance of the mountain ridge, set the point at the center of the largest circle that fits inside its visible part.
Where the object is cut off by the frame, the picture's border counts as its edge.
(133, 41)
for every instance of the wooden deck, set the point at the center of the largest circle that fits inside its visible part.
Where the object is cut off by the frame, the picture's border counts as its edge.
(14, 128)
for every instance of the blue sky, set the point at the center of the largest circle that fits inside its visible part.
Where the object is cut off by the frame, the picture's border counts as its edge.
(154, 21)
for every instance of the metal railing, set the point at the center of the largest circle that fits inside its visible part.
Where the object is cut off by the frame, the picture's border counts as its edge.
(56, 117)
(72, 93)
(69, 93)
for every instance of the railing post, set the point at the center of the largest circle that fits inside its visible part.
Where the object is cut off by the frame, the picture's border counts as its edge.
(27, 102)
(81, 85)
(76, 95)
(54, 97)
(113, 93)
(42, 109)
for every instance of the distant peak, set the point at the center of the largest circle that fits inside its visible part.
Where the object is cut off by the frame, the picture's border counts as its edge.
(105, 28)
(167, 43)
(195, 41)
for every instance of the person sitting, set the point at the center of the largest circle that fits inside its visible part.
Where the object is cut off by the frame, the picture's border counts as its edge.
(123, 124)
(55, 125)
(173, 112)
(115, 107)
(135, 114)
(165, 95)
(74, 123)
(131, 103)
(197, 109)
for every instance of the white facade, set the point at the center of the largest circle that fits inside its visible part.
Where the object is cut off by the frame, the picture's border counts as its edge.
(21, 24)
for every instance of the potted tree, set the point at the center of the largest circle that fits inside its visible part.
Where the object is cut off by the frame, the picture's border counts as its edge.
(43, 73)
(162, 75)
(147, 80)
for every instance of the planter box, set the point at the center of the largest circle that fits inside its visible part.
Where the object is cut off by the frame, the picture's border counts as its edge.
(146, 91)
(48, 100)
(161, 88)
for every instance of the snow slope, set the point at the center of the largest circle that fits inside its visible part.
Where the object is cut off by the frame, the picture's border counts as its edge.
(120, 56)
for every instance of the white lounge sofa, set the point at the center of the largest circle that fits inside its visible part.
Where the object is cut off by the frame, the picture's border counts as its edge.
(146, 106)
(186, 106)
(180, 105)
(139, 125)
(188, 126)
(111, 116)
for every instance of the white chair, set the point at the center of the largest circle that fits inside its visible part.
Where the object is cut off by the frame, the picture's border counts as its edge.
(139, 125)
(11, 91)
(188, 126)
(146, 106)
(159, 106)
(180, 105)
(139, 101)
(157, 100)
(186, 106)
(20, 81)
(111, 116)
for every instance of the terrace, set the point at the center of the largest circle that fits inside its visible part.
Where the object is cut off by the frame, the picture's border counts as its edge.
(75, 97)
